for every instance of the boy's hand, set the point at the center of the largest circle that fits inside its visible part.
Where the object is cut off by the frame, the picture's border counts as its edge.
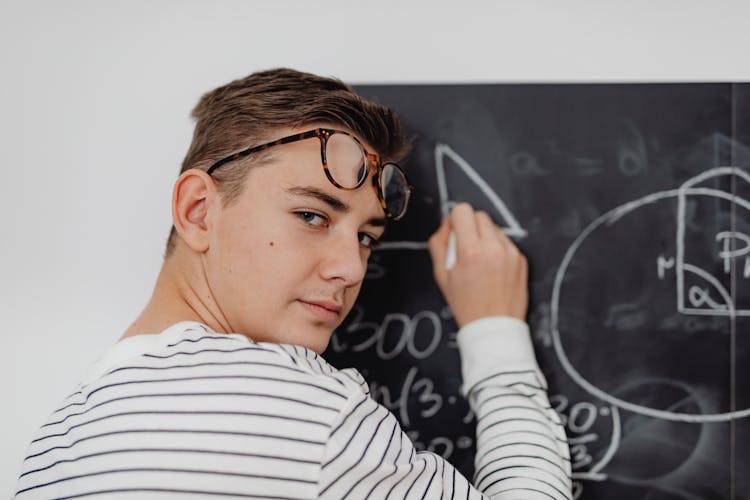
(490, 277)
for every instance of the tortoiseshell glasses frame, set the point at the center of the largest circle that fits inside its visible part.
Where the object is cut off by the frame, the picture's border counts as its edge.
(323, 134)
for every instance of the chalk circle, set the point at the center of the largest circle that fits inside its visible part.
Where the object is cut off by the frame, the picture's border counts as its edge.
(650, 448)
(571, 270)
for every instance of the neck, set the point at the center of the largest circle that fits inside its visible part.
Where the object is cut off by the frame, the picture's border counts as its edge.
(181, 293)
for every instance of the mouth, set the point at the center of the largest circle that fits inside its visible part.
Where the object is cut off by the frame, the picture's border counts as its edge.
(322, 310)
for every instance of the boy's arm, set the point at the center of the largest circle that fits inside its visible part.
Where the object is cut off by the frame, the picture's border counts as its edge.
(521, 443)
(521, 447)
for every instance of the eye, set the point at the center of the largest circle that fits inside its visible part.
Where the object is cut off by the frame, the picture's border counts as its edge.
(368, 241)
(312, 218)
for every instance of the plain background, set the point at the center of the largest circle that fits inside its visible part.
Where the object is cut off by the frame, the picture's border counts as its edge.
(95, 99)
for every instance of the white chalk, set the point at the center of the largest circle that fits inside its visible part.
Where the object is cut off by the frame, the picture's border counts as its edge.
(450, 257)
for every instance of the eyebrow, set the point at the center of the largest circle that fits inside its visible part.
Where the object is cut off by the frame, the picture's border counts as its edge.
(335, 203)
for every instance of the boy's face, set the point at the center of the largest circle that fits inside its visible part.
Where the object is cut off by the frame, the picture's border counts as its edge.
(286, 260)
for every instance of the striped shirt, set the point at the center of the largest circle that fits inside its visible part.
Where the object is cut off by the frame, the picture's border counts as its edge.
(190, 413)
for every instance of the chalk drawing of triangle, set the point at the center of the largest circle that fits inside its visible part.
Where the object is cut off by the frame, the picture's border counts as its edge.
(508, 222)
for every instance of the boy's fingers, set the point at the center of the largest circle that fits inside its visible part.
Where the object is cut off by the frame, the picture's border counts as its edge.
(438, 246)
(486, 228)
(464, 224)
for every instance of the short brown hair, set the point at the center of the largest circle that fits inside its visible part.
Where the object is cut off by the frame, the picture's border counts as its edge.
(247, 111)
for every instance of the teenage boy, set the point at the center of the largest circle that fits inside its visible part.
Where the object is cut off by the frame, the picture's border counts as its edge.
(217, 389)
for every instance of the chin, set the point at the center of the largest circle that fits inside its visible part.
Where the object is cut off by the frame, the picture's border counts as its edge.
(318, 345)
(314, 338)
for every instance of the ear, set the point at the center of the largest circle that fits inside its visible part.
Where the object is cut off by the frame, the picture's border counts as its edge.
(193, 195)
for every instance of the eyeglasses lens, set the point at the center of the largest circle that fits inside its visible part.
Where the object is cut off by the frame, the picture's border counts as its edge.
(395, 190)
(347, 165)
(346, 160)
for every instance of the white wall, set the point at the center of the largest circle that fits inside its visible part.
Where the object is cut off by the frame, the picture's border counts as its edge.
(94, 120)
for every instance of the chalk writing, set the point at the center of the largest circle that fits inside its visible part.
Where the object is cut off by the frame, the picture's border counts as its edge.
(419, 335)
(440, 445)
(728, 253)
(662, 264)
(631, 155)
(429, 401)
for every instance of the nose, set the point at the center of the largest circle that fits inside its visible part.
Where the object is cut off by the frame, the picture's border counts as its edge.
(344, 259)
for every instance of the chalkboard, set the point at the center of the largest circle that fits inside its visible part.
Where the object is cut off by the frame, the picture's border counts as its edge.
(632, 204)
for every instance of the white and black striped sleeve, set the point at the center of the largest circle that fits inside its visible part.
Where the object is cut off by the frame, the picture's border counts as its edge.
(522, 451)
(369, 456)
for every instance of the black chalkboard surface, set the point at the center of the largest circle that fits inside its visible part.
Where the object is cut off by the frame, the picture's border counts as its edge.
(632, 204)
